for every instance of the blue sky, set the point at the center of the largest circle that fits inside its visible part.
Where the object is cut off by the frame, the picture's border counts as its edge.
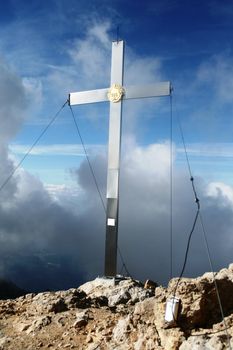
(51, 48)
(187, 41)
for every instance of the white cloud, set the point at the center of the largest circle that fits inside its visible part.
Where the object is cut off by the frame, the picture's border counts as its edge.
(217, 72)
(34, 91)
(91, 56)
(221, 192)
(142, 160)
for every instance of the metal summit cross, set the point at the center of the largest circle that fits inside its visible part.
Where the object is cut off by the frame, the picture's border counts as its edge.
(115, 95)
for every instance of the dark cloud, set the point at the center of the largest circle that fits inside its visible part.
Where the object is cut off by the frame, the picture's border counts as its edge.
(40, 243)
(40, 239)
(12, 102)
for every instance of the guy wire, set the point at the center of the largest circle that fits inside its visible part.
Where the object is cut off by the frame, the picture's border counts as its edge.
(88, 160)
(96, 184)
(31, 148)
(215, 282)
(198, 215)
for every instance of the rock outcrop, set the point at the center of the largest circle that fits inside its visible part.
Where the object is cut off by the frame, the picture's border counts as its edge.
(107, 314)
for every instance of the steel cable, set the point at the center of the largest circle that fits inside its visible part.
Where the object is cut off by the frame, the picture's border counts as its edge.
(198, 215)
(96, 184)
(31, 148)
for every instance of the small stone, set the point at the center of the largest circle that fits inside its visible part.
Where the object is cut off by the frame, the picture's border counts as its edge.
(78, 299)
(89, 339)
(100, 329)
(3, 341)
(38, 324)
(58, 306)
(149, 284)
(80, 323)
(22, 327)
(120, 331)
(81, 320)
(121, 298)
(99, 301)
(61, 321)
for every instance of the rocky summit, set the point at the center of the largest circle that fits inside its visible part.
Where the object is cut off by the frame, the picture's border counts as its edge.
(122, 314)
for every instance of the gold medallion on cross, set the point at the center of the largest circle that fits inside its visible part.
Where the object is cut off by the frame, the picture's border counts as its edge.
(115, 93)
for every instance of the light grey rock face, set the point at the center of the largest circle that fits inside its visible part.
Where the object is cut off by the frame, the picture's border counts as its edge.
(3, 342)
(46, 302)
(200, 307)
(122, 297)
(205, 342)
(105, 315)
(38, 324)
(120, 331)
(145, 307)
(124, 291)
(81, 319)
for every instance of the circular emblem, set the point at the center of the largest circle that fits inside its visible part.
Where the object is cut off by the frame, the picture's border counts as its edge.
(115, 93)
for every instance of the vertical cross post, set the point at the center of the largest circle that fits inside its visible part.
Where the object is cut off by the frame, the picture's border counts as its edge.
(114, 162)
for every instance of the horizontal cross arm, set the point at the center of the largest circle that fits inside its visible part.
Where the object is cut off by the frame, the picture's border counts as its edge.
(151, 90)
(101, 95)
(84, 97)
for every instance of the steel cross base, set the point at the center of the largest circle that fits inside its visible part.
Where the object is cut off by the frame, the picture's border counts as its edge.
(114, 280)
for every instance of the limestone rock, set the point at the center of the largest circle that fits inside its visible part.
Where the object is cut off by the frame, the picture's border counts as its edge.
(150, 284)
(3, 342)
(122, 297)
(38, 324)
(120, 331)
(81, 319)
(200, 307)
(77, 299)
(216, 342)
(112, 315)
(58, 305)
(117, 292)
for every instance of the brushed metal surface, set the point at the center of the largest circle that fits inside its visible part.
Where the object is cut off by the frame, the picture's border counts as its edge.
(111, 238)
(114, 135)
(151, 90)
(117, 62)
(131, 92)
(112, 183)
(90, 96)
(114, 144)
(110, 251)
